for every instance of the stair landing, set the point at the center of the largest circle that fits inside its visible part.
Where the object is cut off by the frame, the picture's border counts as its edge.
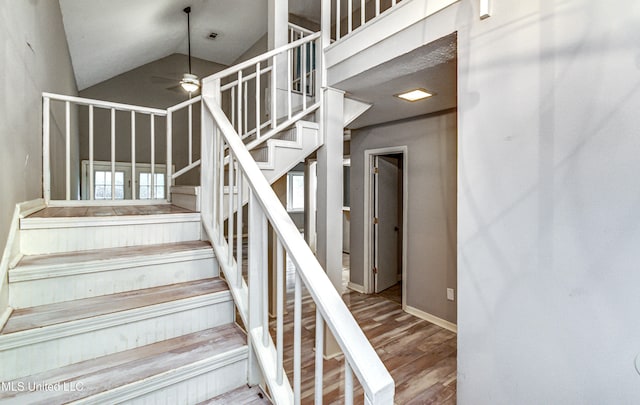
(104, 211)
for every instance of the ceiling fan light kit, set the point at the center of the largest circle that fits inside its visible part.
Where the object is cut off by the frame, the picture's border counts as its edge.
(189, 82)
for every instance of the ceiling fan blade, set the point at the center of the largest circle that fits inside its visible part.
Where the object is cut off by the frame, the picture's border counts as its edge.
(162, 79)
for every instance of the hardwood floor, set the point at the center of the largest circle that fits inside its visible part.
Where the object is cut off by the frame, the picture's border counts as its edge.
(420, 356)
(101, 211)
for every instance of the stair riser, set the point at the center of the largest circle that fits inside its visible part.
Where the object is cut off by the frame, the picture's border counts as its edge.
(200, 388)
(61, 348)
(57, 240)
(190, 391)
(92, 281)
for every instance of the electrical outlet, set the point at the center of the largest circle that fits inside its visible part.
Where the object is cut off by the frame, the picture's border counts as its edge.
(451, 294)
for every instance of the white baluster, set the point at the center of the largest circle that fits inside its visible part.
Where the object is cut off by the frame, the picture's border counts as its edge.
(230, 212)
(170, 151)
(349, 16)
(91, 175)
(289, 80)
(319, 359)
(240, 112)
(134, 180)
(280, 272)
(113, 153)
(258, 100)
(362, 12)
(297, 338)
(46, 148)
(348, 383)
(338, 19)
(152, 195)
(377, 8)
(190, 133)
(274, 115)
(239, 224)
(67, 113)
(304, 77)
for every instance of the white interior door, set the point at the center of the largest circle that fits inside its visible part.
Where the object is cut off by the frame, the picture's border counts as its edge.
(386, 228)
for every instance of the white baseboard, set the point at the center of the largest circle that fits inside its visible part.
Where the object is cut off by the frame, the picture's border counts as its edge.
(432, 318)
(355, 287)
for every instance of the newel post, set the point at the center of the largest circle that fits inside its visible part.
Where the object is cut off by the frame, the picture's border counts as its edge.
(208, 128)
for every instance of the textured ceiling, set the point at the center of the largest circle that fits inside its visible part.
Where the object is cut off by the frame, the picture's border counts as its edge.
(110, 37)
(432, 67)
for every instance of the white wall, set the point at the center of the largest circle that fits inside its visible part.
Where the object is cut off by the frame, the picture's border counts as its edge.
(549, 218)
(35, 58)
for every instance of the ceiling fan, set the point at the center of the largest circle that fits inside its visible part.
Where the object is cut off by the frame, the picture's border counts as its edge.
(189, 81)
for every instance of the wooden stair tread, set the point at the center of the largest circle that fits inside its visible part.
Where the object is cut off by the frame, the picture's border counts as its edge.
(51, 314)
(108, 254)
(102, 211)
(243, 395)
(119, 369)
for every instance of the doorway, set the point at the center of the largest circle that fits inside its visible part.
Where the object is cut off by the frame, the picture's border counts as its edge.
(386, 222)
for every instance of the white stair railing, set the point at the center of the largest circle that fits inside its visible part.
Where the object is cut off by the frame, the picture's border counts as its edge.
(353, 14)
(115, 192)
(270, 92)
(244, 176)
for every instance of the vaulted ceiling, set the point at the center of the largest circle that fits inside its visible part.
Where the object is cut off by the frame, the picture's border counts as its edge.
(110, 37)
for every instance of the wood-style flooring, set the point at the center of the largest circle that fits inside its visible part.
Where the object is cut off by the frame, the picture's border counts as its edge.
(104, 211)
(420, 356)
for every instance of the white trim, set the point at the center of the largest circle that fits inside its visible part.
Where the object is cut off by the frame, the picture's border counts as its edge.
(80, 326)
(355, 287)
(29, 207)
(37, 272)
(11, 253)
(431, 318)
(385, 25)
(187, 190)
(5, 316)
(105, 104)
(159, 381)
(369, 154)
(81, 222)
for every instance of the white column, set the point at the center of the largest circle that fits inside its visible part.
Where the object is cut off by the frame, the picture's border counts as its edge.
(329, 194)
(207, 128)
(277, 28)
(277, 36)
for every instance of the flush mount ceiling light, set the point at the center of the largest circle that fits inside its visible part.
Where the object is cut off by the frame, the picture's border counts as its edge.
(414, 95)
(189, 81)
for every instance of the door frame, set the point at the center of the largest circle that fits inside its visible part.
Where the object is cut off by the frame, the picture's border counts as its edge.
(369, 198)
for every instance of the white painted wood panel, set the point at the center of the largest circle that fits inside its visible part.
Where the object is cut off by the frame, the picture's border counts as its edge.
(47, 240)
(195, 389)
(101, 279)
(36, 350)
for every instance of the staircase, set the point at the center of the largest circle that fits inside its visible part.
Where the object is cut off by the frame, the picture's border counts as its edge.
(119, 308)
(135, 302)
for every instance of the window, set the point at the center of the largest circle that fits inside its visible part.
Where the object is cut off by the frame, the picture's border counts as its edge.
(125, 183)
(295, 191)
(144, 180)
(102, 185)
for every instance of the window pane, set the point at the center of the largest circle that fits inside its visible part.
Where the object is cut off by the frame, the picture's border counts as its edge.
(295, 191)
(119, 178)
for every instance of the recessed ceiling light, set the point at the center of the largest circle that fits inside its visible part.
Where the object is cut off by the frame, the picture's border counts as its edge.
(414, 95)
